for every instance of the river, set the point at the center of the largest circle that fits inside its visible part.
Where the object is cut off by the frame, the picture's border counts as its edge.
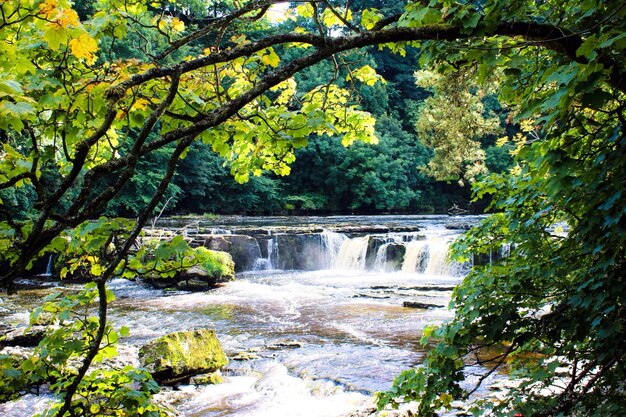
(314, 343)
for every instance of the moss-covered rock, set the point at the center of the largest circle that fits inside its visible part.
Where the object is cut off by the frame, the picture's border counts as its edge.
(180, 355)
(213, 378)
(213, 268)
(244, 249)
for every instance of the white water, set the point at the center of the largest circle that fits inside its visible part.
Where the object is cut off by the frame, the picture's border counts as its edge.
(351, 255)
(324, 340)
(332, 243)
(381, 257)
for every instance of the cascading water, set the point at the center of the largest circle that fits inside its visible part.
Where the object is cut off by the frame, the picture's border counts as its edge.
(352, 254)
(438, 259)
(331, 243)
(50, 266)
(430, 257)
(271, 260)
(220, 231)
(381, 257)
(416, 256)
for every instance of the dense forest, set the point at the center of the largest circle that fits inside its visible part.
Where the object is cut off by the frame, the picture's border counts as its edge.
(124, 108)
(326, 176)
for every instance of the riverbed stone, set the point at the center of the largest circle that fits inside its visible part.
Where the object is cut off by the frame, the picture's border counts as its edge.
(22, 337)
(394, 257)
(415, 304)
(245, 356)
(197, 277)
(178, 356)
(243, 249)
(304, 252)
(212, 378)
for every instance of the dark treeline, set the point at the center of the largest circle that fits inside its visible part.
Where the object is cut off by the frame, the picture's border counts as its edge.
(326, 177)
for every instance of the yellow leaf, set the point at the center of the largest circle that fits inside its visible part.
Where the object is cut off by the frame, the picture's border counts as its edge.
(140, 104)
(84, 47)
(271, 59)
(48, 8)
(178, 25)
(305, 10)
(68, 17)
(502, 141)
(239, 39)
(527, 125)
(162, 24)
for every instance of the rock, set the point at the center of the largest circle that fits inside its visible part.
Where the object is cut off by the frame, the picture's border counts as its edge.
(212, 378)
(304, 252)
(199, 277)
(180, 355)
(415, 304)
(285, 344)
(394, 257)
(458, 226)
(193, 285)
(373, 245)
(19, 337)
(216, 242)
(244, 356)
(197, 273)
(244, 250)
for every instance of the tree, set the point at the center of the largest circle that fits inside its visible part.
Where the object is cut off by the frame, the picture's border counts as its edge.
(451, 122)
(553, 309)
(68, 105)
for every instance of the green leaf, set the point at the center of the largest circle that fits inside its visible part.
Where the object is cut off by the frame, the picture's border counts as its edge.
(55, 35)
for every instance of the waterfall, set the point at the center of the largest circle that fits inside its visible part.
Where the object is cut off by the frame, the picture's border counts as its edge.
(269, 262)
(352, 254)
(220, 231)
(50, 266)
(429, 257)
(272, 251)
(331, 243)
(416, 256)
(381, 257)
(438, 259)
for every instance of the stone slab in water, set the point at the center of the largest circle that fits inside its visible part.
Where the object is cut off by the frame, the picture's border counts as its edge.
(415, 304)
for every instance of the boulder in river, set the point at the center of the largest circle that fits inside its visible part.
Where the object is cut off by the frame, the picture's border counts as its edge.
(244, 250)
(178, 356)
(393, 257)
(216, 267)
(212, 378)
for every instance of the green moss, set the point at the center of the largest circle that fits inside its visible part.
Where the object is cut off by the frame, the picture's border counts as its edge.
(218, 264)
(182, 354)
(213, 378)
